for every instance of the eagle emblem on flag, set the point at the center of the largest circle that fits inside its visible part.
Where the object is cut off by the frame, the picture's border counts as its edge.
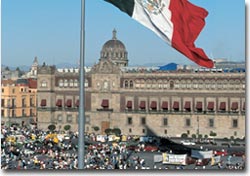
(152, 6)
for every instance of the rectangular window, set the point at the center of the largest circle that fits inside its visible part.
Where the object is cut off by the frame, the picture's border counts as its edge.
(130, 130)
(143, 131)
(23, 102)
(59, 118)
(165, 131)
(13, 102)
(165, 121)
(31, 112)
(2, 103)
(130, 121)
(211, 123)
(13, 90)
(2, 112)
(13, 113)
(31, 101)
(188, 122)
(235, 123)
(23, 112)
(87, 120)
(2, 90)
(69, 118)
(143, 121)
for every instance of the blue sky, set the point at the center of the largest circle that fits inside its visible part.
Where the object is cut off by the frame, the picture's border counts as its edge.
(50, 30)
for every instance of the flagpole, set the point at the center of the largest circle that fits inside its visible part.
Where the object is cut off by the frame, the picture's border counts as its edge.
(81, 116)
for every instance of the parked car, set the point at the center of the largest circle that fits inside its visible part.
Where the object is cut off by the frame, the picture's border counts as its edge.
(220, 152)
(133, 147)
(202, 162)
(150, 148)
(186, 142)
(190, 160)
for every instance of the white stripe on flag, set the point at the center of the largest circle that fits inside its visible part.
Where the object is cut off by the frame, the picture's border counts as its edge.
(160, 23)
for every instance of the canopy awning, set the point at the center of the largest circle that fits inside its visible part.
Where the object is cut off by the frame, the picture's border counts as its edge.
(105, 103)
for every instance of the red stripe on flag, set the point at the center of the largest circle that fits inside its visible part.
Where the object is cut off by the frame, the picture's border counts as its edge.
(188, 21)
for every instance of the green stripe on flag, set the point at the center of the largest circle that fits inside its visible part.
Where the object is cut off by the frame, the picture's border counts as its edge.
(126, 6)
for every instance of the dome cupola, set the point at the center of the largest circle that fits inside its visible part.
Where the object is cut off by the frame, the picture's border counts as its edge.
(115, 50)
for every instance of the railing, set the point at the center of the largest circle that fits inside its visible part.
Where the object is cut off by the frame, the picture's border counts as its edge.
(184, 112)
(145, 111)
(57, 109)
(105, 110)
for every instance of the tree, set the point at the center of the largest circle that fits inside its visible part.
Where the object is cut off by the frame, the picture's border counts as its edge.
(193, 135)
(108, 131)
(117, 131)
(213, 134)
(96, 128)
(67, 127)
(7, 68)
(52, 127)
(184, 135)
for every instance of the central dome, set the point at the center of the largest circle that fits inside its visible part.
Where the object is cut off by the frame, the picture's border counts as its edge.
(115, 50)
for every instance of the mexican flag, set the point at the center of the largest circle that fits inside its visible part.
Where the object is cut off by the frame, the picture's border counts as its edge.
(178, 22)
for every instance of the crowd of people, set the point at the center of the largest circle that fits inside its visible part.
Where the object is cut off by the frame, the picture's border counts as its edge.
(35, 151)
(25, 148)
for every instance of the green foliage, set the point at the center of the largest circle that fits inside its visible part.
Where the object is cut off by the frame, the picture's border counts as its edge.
(52, 127)
(67, 127)
(212, 133)
(96, 128)
(184, 135)
(117, 131)
(193, 135)
(108, 131)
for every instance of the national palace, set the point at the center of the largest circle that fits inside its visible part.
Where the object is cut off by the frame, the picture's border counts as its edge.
(142, 101)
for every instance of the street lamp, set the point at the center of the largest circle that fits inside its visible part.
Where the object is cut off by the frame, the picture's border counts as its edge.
(198, 126)
(8, 111)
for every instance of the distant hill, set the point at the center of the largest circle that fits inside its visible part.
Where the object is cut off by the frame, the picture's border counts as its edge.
(22, 67)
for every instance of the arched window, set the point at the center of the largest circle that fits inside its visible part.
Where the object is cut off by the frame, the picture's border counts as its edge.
(44, 83)
(177, 84)
(75, 83)
(142, 83)
(243, 85)
(195, 84)
(71, 83)
(213, 84)
(66, 83)
(200, 84)
(171, 84)
(148, 83)
(86, 84)
(189, 85)
(137, 83)
(154, 84)
(224, 84)
(159, 82)
(126, 84)
(131, 84)
(60, 83)
(207, 84)
(183, 84)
